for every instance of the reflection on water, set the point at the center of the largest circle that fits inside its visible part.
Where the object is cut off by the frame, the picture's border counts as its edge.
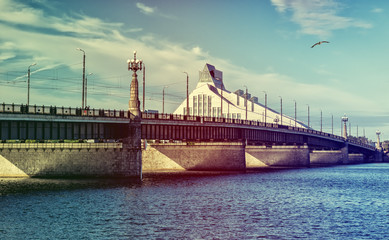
(343, 202)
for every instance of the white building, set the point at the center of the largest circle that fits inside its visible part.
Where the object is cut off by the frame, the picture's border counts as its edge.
(210, 98)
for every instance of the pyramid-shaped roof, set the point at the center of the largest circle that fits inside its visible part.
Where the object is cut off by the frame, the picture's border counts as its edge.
(211, 76)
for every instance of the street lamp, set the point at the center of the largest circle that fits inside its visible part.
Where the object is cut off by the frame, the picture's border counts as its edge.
(86, 88)
(344, 120)
(281, 108)
(163, 99)
(134, 106)
(187, 93)
(246, 99)
(83, 77)
(378, 145)
(28, 83)
(295, 113)
(221, 97)
(144, 86)
(265, 106)
(308, 116)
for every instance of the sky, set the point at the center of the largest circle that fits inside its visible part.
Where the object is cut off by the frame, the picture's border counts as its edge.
(262, 44)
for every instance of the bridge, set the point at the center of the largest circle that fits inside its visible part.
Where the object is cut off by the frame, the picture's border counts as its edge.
(51, 141)
(169, 141)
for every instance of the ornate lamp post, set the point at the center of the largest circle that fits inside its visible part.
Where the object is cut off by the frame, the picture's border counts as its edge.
(28, 91)
(134, 105)
(378, 145)
(344, 120)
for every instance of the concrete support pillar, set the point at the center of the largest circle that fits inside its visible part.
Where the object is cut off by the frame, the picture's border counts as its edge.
(344, 150)
(326, 157)
(378, 156)
(279, 156)
(211, 156)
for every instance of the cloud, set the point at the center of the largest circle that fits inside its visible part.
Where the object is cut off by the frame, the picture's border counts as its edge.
(377, 10)
(152, 11)
(57, 78)
(145, 9)
(317, 17)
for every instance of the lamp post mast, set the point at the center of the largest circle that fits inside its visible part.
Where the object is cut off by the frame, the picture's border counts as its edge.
(83, 78)
(295, 113)
(265, 106)
(281, 108)
(86, 89)
(344, 119)
(245, 99)
(134, 106)
(221, 98)
(28, 83)
(144, 85)
(187, 93)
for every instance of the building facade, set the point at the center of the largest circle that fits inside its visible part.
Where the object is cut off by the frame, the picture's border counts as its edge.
(210, 98)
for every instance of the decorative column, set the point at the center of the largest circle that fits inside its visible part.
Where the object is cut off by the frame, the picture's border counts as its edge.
(378, 144)
(134, 104)
(344, 119)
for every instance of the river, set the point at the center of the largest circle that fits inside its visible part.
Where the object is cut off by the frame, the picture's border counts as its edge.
(342, 202)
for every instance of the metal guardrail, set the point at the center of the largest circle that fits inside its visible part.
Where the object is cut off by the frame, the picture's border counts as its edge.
(60, 145)
(159, 116)
(68, 111)
(62, 111)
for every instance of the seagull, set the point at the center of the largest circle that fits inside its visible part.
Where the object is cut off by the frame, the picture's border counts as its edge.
(318, 43)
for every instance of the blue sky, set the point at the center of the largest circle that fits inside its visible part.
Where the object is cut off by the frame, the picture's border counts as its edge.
(264, 44)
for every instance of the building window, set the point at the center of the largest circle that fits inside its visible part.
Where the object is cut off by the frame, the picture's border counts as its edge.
(209, 105)
(234, 115)
(200, 105)
(237, 100)
(194, 105)
(205, 106)
(252, 106)
(238, 116)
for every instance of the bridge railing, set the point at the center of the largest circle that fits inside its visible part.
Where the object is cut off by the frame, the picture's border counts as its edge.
(62, 111)
(201, 119)
(68, 111)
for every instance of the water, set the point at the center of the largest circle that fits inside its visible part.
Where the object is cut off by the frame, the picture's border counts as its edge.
(343, 202)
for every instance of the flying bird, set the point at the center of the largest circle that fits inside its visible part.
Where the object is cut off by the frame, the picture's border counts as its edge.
(318, 43)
